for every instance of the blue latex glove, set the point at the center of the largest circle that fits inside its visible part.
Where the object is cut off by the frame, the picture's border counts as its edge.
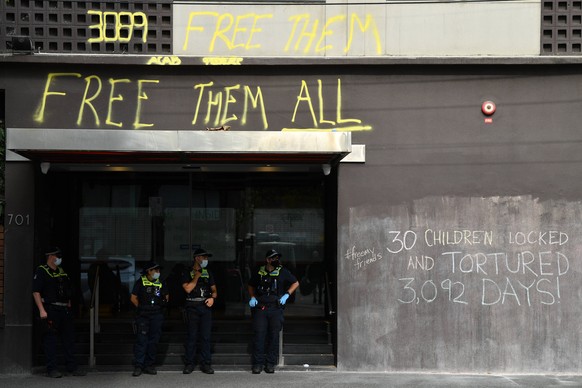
(283, 299)
(253, 302)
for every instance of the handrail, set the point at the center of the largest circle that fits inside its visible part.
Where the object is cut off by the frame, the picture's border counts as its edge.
(281, 356)
(94, 318)
(118, 290)
(328, 295)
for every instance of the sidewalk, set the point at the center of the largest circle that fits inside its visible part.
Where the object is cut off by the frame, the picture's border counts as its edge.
(288, 379)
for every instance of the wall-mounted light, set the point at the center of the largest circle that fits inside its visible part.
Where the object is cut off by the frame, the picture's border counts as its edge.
(22, 44)
(326, 169)
(44, 167)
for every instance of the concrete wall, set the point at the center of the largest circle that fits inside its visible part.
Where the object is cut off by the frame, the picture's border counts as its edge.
(502, 28)
(460, 28)
(459, 245)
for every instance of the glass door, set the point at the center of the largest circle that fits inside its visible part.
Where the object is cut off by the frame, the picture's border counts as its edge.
(248, 214)
(126, 220)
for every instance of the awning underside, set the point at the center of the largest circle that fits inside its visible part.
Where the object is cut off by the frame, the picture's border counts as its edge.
(75, 146)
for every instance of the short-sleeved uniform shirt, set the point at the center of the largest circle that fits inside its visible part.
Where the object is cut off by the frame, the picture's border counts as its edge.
(270, 286)
(151, 295)
(53, 285)
(203, 285)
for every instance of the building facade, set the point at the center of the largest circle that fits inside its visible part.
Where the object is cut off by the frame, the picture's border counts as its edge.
(421, 158)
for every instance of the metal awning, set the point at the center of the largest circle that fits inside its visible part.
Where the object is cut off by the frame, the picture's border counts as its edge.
(131, 147)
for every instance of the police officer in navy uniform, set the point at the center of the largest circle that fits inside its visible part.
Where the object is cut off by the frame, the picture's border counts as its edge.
(269, 288)
(52, 291)
(200, 297)
(150, 296)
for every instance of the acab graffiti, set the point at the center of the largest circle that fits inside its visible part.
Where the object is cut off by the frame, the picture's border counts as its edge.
(103, 103)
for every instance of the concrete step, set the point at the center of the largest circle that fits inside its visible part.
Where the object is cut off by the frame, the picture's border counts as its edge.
(304, 342)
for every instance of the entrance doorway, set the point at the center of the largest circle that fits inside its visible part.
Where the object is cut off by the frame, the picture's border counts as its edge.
(119, 221)
(129, 220)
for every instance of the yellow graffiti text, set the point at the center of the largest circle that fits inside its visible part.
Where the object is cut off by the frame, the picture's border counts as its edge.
(234, 32)
(141, 95)
(256, 102)
(218, 102)
(314, 105)
(93, 89)
(301, 33)
(112, 99)
(164, 60)
(327, 31)
(88, 101)
(304, 100)
(305, 32)
(39, 115)
(222, 60)
(120, 26)
(369, 24)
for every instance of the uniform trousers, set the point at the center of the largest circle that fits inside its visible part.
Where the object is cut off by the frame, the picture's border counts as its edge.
(199, 325)
(59, 323)
(267, 323)
(148, 325)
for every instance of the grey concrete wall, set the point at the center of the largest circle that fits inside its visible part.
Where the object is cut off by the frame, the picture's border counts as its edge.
(360, 28)
(459, 240)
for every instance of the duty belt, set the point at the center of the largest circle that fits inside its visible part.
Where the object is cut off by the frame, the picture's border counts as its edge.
(269, 305)
(149, 309)
(195, 299)
(60, 304)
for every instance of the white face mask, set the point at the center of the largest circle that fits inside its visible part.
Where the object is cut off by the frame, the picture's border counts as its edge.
(204, 263)
(156, 275)
(58, 261)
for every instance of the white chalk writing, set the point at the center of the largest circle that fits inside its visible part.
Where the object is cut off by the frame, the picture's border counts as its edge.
(361, 258)
(466, 266)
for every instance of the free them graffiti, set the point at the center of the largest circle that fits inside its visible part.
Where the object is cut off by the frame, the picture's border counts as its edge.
(108, 102)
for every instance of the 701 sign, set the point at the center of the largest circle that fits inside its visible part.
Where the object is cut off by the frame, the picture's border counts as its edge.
(18, 219)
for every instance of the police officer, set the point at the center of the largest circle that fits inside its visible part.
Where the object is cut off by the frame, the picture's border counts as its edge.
(149, 295)
(269, 288)
(52, 292)
(200, 297)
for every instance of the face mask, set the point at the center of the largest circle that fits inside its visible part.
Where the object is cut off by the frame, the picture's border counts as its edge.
(58, 261)
(156, 275)
(204, 263)
(275, 263)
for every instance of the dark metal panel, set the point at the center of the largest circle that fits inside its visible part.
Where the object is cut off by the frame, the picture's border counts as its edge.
(16, 336)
